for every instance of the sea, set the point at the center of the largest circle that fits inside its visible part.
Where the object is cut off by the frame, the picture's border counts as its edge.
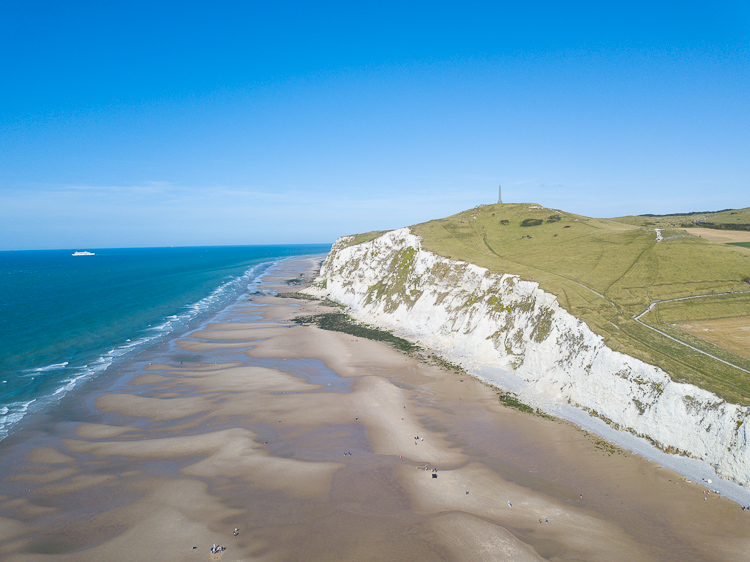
(66, 320)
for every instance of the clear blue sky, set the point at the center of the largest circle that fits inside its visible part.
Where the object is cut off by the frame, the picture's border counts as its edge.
(186, 123)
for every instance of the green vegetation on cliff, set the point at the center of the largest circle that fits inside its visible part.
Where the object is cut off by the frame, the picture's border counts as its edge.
(340, 322)
(606, 271)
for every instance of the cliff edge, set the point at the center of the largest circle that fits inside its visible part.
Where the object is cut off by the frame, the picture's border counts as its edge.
(478, 319)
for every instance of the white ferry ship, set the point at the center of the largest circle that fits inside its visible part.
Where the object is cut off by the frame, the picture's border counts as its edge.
(83, 254)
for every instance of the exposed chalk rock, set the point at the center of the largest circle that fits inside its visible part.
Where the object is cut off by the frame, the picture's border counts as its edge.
(481, 319)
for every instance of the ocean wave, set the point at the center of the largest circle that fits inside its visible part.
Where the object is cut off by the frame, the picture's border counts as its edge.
(53, 367)
(11, 414)
(83, 373)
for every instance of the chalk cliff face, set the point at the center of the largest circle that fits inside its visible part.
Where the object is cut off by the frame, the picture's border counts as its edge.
(481, 319)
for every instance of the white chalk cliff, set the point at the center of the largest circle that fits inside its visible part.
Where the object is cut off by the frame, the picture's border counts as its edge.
(478, 319)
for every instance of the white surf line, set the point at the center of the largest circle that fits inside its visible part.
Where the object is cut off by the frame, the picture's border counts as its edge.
(654, 303)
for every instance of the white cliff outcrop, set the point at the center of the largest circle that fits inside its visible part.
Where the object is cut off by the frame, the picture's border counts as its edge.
(479, 319)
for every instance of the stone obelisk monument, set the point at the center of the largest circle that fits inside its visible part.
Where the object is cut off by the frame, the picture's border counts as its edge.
(499, 194)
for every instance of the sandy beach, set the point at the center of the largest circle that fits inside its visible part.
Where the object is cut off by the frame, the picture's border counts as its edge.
(319, 445)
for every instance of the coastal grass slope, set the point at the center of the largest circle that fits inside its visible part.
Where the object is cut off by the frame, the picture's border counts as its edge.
(621, 276)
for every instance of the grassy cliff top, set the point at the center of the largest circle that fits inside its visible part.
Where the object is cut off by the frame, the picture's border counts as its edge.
(362, 238)
(605, 271)
(622, 262)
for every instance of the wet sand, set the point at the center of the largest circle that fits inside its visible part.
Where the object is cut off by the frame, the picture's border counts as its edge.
(322, 446)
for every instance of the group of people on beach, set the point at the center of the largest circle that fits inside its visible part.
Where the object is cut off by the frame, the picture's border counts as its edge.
(710, 491)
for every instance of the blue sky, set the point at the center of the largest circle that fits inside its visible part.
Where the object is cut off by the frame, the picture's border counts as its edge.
(186, 123)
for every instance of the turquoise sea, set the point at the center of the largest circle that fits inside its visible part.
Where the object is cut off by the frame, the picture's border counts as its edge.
(65, 320)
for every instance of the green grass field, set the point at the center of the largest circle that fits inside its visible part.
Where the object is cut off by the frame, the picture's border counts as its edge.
(728, 217)
(605, 271)
(740, 244)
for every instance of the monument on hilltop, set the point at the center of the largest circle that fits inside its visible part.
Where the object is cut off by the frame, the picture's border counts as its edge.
(499, 194)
